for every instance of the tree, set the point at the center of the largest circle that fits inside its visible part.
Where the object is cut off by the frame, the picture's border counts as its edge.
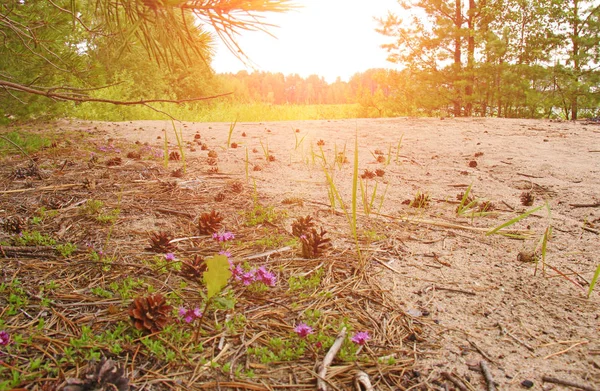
(578, 22)
(49, 46)
(434, 39)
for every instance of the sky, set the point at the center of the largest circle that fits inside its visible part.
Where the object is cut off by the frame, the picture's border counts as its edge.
(329, 38)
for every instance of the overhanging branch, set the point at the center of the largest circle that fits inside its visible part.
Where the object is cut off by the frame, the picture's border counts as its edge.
(75, 97)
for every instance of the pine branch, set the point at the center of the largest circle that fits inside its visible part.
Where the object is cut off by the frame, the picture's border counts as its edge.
(75, 97)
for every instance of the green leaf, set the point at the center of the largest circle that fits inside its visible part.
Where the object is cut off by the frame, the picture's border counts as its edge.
(216, 275)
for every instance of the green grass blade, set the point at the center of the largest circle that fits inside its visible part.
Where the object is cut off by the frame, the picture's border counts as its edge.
(231, 127)
(594, 281)
(355, 184)
(513, 221)
(166, 157)
(373, 196)
(382, 198)
(179, 137)
(398, 148)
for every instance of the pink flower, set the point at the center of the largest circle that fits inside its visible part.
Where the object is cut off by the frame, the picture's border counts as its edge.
(226, 253)
(266, 277)
(170, 256)
(236, 271)
(189, 315)
(360, 338)
(223, 237)
(248, 277)
(4, 338)
(303, 330)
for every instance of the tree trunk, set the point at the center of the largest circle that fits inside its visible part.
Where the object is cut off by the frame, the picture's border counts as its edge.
(576, 64)
(470, 58)
(458, 21)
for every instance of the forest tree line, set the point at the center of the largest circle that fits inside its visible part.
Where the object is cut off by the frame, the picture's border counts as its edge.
(506, 58)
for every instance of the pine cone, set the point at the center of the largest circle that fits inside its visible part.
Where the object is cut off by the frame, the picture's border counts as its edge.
(104, 376)
(527, 198)
(314, 243)
(209, 223)
(193, 270)
(421, 200)
(160, 242)
(13, 224)
(302, 226)
(150, 313)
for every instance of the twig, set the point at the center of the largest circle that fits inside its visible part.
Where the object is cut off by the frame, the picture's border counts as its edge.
(459, 384)
(528, 176)
(322, 368)
(567, 383)
(594, 205)
(43, 188)
(487, 374)
(566, 350)
(441, 288)
(484, 354)
(174, 212)
(504, 331)
(594, 231)
(362, 382)
(267, 253)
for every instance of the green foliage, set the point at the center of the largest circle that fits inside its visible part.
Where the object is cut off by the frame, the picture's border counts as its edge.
(305, 283)
(28, 142)
(261, 214)
(95, 209)
(217, 274)
(66, 249)
(33, 238)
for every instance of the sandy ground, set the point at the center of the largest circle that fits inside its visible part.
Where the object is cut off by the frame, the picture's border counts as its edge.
(476, 296)
(484, 302)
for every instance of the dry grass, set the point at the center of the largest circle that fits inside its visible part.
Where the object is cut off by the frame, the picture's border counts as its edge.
(65, 311)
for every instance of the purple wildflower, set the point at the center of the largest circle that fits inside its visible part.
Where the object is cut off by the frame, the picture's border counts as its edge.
(226, 253)
(361, 337)
(266, 277)
(189, 315)
(303, 330)
(248, 277)
(223, 237)
(170, 256)
(236, 271)
(4, 338)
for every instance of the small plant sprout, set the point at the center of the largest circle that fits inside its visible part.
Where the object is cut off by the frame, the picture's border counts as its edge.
(231, 127)
(303, 330)
(298, 141)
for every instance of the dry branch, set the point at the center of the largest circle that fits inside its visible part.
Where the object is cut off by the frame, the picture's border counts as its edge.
(487, 374)
(77, 97)
(322, 368)
(549, 379)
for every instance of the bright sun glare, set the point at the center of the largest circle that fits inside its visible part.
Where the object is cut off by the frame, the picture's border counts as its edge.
(330, 38)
